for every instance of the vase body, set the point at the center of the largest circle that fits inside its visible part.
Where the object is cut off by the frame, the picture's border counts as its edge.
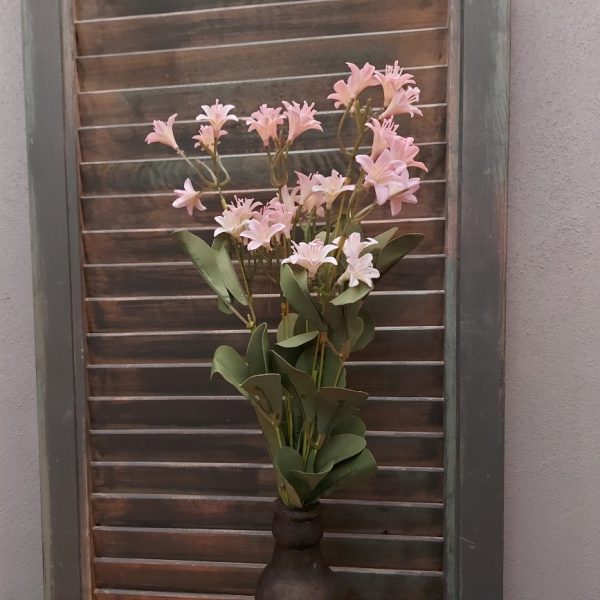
(297, 570)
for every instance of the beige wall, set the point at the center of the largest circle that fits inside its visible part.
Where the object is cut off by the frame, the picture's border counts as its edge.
(553, 376)
(553, 351)
(20, 551)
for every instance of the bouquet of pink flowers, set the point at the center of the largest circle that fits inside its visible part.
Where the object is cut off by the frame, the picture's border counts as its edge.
(308, 242)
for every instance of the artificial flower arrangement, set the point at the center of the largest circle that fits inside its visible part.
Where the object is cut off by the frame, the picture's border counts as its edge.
(309, 242)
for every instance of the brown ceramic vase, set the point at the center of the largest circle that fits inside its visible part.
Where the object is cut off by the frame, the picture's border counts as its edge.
(297, 570)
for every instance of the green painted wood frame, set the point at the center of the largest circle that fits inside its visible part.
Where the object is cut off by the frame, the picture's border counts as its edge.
(476, 248)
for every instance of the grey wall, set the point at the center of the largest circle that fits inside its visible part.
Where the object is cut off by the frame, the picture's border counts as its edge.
(553, 377)
(553, 368)
(20, 549)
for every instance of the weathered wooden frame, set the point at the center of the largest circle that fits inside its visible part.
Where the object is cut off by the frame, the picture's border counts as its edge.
(477, 188)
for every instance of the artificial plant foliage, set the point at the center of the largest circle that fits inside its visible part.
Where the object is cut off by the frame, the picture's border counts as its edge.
(309, 245)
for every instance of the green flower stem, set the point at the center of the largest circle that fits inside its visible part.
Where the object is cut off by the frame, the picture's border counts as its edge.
(198, 171)
(341, 127)
(246, 286)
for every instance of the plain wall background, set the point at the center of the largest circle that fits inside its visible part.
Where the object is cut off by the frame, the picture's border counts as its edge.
(553, 337)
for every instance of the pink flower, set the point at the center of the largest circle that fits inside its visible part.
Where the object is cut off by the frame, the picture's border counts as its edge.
(392, 79)
(236, 216)
(308, 199)
(383, 135)
(259, 231)
(405, 150)
(300, 119)
(353, 246)
(403, 103)
(311, 256)
(278, 212)
(381, 173)
(217, 115)
(360, 269)
(289, 198)
(189, 198)
(331, 187)
(359, 80)
(403, 192)
(163, 133)
(265, 121)
(206, 138)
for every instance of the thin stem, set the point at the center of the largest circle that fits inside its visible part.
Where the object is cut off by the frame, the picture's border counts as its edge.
(198, 171)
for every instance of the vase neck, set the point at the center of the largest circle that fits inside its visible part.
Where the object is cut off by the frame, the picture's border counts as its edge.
(297, 528)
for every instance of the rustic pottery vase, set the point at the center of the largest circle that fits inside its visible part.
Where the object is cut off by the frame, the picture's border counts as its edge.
(297, 570)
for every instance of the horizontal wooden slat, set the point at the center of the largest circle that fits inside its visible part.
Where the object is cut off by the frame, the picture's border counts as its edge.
(247, 171)
(147, 104)
(269, 59)
(380, 414)
(404, 379)
(187, 313)
(151, 211)
(149, 246)
(419, 272)
(254, 23)
(108, 594)
(402, 485)
(408, 344)
(238, 578)
(339, 516)
(97, 9)
(126, 142)
(223, 446)
(374, 551)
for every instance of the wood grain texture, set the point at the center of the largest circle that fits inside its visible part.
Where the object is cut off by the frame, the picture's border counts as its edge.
(253, 23)
(227, 412)
(262, 60)
(189, 313)
(241, 578)
(370, 551)
(146, 104)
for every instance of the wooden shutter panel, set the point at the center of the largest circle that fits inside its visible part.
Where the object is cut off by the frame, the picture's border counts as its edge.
(180, 485)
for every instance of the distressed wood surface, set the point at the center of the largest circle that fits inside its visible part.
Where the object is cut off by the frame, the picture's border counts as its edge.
(254, 23)
(178, 471)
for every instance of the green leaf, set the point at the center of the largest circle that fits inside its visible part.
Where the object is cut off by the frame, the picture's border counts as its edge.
(298, 383)
(339, 448)
(230, 365)
(287, 460)
(266, 389)
(332, 366)
(367, 333)
(351, 295)
(334, 402)
(257, 352)
(384, 239)
(305, 482)
(396, 250)
(287, 326)
(224, 308)
(295, 288)
(299, 340)
(269, 431)
(205, 260)
(358, 467)
(349, 424)
(229, 276)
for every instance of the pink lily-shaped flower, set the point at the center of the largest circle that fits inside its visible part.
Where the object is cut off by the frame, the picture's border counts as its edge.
(307, 198)
(402, 103)
(188, 198)
(331, 187)
(360, 79)
(236, 216)
(300, 119)
(207, 139)
(354, 246)
(290, 198)
(403, 192)
(163, 133)
(384, 133)
(392, 79)
(259, 232)
(360, 269)
(245, 208)
(217, 115)
(404, 149)
(278, 212)
(381, 173)
(311, 256)
(265, 122)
